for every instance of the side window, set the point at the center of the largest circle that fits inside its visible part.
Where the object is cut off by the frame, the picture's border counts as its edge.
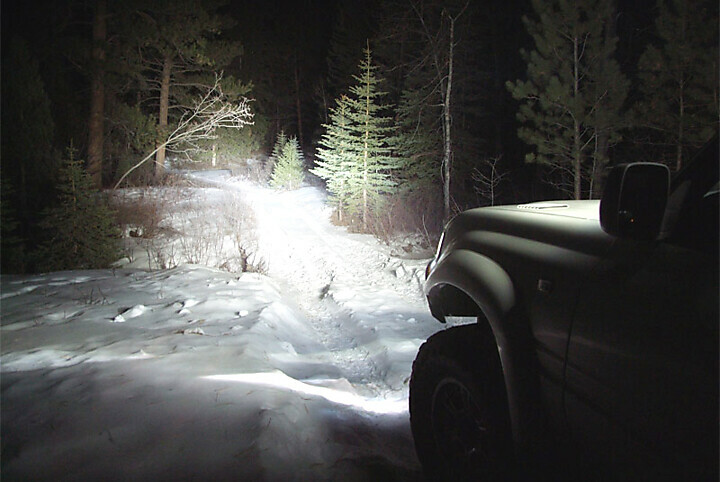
(697, 225)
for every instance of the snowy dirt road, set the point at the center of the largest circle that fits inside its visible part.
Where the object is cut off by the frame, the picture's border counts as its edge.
(194, 373)
(358, 297)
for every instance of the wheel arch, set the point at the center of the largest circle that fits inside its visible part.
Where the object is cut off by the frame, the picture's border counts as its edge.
(466, 283)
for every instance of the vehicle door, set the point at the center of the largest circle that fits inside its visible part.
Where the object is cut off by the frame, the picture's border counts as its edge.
(642, 373)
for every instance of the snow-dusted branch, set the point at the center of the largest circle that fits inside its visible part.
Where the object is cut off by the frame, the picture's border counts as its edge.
(211, 111)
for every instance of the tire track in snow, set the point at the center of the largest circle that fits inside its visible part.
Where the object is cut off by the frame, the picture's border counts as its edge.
(310, 258)
(307, 266)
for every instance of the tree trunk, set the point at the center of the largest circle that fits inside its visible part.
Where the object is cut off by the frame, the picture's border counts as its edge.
(365, 162)
(97, 96)
(600, 162)
(447, 124)
(297, 103)
(577, 155)
(601, 157)
(163, 117)
(681, 98)
(680, 131)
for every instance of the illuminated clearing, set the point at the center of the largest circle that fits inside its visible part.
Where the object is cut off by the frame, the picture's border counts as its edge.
(278, 379)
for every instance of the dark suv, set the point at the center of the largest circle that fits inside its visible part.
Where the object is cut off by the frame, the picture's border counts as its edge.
(595, 352)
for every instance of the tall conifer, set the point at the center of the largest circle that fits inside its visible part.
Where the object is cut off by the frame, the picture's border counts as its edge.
(173, 47)
(358, 155)
(27, 130)
(679, 79)
(336, 155)
(419, 142)
(571, 101)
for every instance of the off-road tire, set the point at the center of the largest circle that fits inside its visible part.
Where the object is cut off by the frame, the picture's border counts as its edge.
(458, 407)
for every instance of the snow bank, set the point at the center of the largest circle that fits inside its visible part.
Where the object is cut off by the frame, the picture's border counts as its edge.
(195, 373)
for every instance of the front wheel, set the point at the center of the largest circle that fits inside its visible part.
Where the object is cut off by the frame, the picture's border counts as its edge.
(458, 408)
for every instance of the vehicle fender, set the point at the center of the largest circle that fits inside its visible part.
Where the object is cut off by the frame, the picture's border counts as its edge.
(478, 277)
(466, 276)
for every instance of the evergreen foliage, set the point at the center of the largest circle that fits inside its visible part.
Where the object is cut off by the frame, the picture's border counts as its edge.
(345, 46)
(678, 77)
(271, 161)
(131, 135)
(432, 61)
(356, 152)
(172, 50)
(419, 142)
(27, 131)
(230, 145)
(289, 169)
(81, 229)
(12, 247)
(571, 102)
(277, 151)
(27, 120)
(335, 159)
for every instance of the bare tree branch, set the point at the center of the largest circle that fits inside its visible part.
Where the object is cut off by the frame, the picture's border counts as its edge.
(211, 111)
(488, 181)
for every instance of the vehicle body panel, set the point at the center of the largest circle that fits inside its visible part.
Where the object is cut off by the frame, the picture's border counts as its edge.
(609, 340)
(534, 259)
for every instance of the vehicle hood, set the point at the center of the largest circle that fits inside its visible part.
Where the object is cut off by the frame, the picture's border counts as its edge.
(589, 210)
(571, 225)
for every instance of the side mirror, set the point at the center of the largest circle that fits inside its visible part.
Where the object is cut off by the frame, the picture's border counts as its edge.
(634, 201)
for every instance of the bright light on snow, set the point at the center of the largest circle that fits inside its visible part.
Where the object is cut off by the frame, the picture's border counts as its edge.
(197, 372)
(280, 380)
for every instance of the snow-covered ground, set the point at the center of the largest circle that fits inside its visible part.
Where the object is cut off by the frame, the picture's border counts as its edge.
(197, 373)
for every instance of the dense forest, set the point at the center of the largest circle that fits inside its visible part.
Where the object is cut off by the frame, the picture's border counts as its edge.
(406, 111)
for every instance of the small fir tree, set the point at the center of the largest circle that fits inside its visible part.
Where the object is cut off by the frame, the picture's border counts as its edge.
(288, 173)
(81, 228)
(276, 153)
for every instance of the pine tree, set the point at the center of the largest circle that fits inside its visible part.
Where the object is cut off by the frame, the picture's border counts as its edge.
(288, 173)
(173, 48)
(419, 142)
(679, 79)
(81, 228)
(27, 132)
(356, 151)
(570, 104)
(347, 38)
